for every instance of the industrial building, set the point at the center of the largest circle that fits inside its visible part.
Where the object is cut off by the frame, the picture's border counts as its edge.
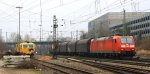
(139, 26)
(101, 25)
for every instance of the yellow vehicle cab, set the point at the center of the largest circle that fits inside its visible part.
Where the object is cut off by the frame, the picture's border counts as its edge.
(26, 48)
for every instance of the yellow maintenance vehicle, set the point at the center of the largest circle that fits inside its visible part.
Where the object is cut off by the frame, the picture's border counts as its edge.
(22, 52)
(25, 48)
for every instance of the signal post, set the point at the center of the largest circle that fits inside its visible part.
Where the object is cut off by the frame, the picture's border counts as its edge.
(54, 43)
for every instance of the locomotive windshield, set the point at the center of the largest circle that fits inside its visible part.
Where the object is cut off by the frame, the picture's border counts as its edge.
(129, 40)
(30, 46)
(25, 46)
(126, 40)
(123, 40)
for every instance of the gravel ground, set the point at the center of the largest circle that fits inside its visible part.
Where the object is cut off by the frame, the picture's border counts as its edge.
(127, 65)
(79, 66)
(14, 70)
(18, 71)
(66, 62)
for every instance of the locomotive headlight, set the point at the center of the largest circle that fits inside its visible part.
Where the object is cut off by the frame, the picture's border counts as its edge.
(32, 51)
(132, 46)
(123, 46)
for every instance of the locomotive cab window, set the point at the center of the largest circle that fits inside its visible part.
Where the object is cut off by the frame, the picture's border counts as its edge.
(25, 46)
(129, 40)
(123, 40)
(30, 46)
(126, 40)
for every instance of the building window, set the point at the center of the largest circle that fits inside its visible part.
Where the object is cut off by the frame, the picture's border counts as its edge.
(131, 28)
(148, 24)
(148, 31)
(148, 17)
(134, 27)
(137, 27)
(144, 18)
(145, 25)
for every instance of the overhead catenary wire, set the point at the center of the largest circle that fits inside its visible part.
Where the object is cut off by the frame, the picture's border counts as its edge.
(103, 9)
(9, 6)
(38, 12)
(106, 9)
(91, 3)
(21, 11)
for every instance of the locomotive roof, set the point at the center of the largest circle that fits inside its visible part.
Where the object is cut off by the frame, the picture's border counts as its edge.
(26, 43)
(104, 38)
(110, 37)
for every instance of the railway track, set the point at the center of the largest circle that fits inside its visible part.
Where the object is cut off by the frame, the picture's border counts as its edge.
(141, 62)
(114, 68)
(138, 63)
(61, 68)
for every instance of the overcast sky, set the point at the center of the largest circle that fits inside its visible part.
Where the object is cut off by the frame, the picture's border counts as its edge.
(72, 14)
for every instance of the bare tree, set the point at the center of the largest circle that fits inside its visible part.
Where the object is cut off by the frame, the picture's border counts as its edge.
(84, 35)
(14, 37)
(50, 38)
(2, 47)
(32, 40)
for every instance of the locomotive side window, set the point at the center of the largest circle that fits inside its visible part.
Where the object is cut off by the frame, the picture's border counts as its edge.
(129, 40)
(123, 40)
(115, 41)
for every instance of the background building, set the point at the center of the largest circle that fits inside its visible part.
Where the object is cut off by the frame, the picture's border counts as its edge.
(101, 26)
(139, 26)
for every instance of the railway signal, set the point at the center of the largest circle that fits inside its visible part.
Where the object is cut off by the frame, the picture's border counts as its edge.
(54, 43)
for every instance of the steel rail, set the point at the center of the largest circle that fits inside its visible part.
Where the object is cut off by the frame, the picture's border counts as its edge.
(62, 68)
(114, 68)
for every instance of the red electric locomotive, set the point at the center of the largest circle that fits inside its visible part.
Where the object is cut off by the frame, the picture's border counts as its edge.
(113, 46)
